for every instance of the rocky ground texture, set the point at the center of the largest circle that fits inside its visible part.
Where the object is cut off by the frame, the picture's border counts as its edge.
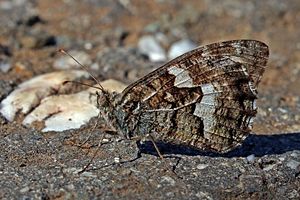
(124, 40)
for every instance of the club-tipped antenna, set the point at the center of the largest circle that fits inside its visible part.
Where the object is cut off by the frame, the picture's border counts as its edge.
(83, 67)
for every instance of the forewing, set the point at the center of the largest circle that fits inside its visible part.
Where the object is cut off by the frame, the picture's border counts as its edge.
(204, 98)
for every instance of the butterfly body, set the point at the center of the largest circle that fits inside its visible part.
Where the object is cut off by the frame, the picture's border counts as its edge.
(203, 99)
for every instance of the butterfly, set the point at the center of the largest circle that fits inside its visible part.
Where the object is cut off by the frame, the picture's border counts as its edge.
(204, 99)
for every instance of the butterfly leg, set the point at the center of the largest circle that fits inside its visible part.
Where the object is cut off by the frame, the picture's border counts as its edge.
(138, 139)
(150, 137)
(94, 155)
(155, 146)
(167, 165)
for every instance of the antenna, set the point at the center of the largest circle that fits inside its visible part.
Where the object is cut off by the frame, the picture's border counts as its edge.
(83, 67)
(65, 82)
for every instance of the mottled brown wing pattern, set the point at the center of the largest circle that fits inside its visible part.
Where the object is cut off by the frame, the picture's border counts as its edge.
(204, 98)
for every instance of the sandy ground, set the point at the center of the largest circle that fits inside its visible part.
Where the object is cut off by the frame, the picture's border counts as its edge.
(36, 165)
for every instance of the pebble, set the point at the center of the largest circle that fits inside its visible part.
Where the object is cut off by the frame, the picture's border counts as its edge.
(180, 47)
(293, 164)
(64, 41)
(6, 5)
(105, 140)
(5, 66)
(88, 46)
(89, 174)
(25, 189)
(204, 195)
(251, 158)
(95, 66)
(70, 187)
(295, 155)
(149, 46)
(117, 160)
(66, 62)
(168, 179)
(154, 27)
(5, 54)
(202, 166)
(269, 167)
(9, 4)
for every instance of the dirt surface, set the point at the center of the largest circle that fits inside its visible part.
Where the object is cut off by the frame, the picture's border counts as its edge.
(37, 165)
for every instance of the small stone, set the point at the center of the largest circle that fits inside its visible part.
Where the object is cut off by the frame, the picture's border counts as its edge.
(295, 155)
(180, 47)
(64, 41)
(88, 46)
(251, 158)
(71, 170)
(269, 167)
(202, 166)
(154, 27)
(95, 66)
(170, 194)
(70, 187)
(24, 189)
(6, 5)
(89, 174)
(293, 164)
(281, 158)
(5, 66)
(20, 67)
(105, 140)
(149, 46)
(168, 179)
(66, 62)
(285, 117)
(204, 195)
(282, 110)
(117, 160)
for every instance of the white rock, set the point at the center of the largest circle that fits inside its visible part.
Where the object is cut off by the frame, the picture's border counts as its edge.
(66, 62)
(251, 158)
(180, 47)
(149, 46)
(64, 112)
(29, 93)
(202, 166)
(58, 112)
(110, 85)
(117, 160)
(293, 164)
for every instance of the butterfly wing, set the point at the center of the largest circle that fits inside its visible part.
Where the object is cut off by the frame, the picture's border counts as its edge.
(204, 98)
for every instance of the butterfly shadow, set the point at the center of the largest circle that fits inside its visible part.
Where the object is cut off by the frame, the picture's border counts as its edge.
(259, 145)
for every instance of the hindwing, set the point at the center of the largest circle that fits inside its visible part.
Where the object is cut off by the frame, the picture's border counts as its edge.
(204, 98)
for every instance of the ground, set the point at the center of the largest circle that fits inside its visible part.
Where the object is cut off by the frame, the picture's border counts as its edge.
(45, 165)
